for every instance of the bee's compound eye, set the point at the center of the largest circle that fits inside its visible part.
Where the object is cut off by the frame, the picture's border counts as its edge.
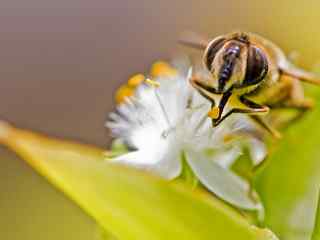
(257, 66)
(213, 47)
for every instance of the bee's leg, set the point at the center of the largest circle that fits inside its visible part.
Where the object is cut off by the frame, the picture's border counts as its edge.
(204, 90)
(250, 108)
(295, 100)
(261, 122)
(258, 119)
(297, 73)
(277, 93)
(302, 106)
(254, 109)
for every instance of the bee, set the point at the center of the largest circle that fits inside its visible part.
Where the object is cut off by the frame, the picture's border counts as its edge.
(251, 75)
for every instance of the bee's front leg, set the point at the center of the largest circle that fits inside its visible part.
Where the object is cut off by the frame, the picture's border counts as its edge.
(294, 100)
(204, 90)
(248, 108)
(253, 109)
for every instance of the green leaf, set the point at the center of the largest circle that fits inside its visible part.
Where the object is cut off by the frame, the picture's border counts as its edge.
(187, 175)
(102, 234)
(125, 202)
(289, 184)
(316, 228)
(117, 148)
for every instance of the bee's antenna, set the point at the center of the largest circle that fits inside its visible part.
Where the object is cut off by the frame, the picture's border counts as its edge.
(193, 40)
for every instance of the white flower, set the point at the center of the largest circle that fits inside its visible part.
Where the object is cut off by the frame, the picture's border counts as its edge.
(160, 124)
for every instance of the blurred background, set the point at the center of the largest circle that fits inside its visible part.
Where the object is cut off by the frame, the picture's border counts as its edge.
(61, 61)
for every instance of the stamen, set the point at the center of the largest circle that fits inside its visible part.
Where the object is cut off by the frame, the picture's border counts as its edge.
(152, 83)
(161, 68)
(128, 90)
(136, 80)
(201, 123)
(155, 85)
(189, 113)
(123, 93)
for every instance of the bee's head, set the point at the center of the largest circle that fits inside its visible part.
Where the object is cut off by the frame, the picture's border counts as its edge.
(235, 63)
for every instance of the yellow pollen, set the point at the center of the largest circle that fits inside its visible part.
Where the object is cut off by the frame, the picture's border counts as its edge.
(214, 113)
(122, 93)
(136, 80)
(161, 68)
(152, 83)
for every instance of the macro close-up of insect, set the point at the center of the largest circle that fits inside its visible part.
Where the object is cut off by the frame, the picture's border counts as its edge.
(153, 120)
(249, 74)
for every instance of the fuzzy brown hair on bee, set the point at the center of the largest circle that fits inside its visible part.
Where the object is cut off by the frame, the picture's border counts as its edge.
(251, 75)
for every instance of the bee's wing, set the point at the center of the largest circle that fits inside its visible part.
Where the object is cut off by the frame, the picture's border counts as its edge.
(194, 40)
(282, 62)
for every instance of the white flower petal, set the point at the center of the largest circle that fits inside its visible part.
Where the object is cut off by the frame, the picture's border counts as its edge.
(222, 182)
(258, 150)
(225, 157)
(163, 162)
